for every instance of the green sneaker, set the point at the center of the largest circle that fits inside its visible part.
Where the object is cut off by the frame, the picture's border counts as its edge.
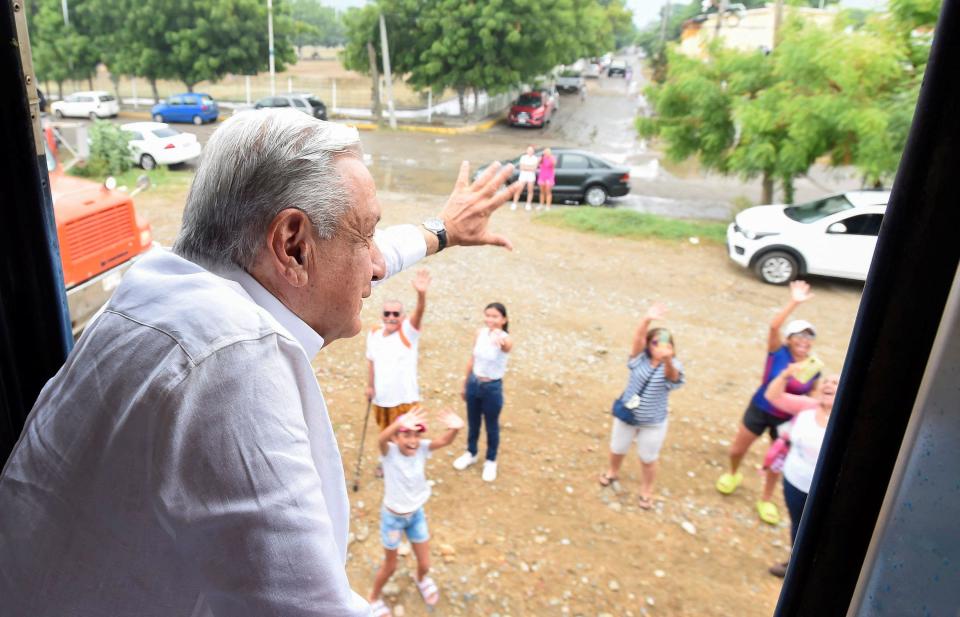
(728, 482)
(768, 512)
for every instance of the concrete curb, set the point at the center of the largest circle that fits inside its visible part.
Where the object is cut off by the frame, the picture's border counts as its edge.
(486, 125)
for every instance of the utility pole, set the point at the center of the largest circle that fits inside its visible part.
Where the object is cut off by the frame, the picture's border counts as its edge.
(777, 22)
(721, 9)
(665, 10)
(386, 71)
(66, 12)
(273, 71)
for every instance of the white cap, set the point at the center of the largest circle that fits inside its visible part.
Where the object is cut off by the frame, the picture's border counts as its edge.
(799, 325)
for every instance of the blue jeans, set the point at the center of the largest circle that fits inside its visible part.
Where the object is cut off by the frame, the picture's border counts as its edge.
(484, 402)
(795, 499)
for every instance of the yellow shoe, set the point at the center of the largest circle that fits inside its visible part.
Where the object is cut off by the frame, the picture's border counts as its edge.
(768, 512)
(728, 482)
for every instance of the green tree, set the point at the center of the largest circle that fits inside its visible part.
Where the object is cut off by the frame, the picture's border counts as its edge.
(848, 96)
(315, 24)
(209, 40)
(61, 51)
(465, 46)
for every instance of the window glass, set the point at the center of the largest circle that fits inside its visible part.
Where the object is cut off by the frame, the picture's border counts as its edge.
(133, 136)
(280, 102)
(314, 101)
(863, 224)
(85, 99)
(165, 132)
(574, 161)
(816, 210)
(189, 100)
(73, 98)
(529, 100)
(175, 100)
(206, 100)
(107, 98)
(298, 103)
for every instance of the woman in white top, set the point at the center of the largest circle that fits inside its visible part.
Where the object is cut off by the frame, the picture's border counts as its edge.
(483, 388)
(805, 434)
(528, 176)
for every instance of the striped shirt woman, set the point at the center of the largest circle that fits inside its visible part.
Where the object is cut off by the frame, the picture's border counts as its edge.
(640, 413)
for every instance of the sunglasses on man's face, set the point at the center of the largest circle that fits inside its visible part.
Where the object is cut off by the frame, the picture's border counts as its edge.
(391, 313)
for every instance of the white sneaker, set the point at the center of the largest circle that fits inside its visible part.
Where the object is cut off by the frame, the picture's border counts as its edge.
(464, 460)
(527, 208)
(513, 206)
(489, 471)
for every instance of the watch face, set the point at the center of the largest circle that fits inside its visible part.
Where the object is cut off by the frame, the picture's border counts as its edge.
(434, 224)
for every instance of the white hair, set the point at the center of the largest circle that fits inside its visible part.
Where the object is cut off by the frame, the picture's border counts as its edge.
(255, 165)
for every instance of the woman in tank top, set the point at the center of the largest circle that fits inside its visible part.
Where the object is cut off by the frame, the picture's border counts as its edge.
(483, 388)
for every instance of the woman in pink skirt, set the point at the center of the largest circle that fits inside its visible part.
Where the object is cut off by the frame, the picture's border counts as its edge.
(545, 178)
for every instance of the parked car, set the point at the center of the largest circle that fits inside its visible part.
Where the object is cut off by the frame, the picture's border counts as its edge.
(301, 101)
(157, 143)
(581, 176)
(193, 107)
(570, 81)
(617, 68)
(93, 104)
(833, 236)
(592, 69)
(532, 109)
(100, 234)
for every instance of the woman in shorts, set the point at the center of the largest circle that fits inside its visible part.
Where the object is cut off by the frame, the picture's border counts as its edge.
(762, 415)
(528, 175)
(640, 414)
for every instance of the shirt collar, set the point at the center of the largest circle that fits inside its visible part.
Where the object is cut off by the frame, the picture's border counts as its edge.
(305, 335)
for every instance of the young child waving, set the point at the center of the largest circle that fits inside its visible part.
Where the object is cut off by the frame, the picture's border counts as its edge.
(404, 456)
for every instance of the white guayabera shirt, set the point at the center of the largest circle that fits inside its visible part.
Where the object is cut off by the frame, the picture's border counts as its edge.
(182, 462)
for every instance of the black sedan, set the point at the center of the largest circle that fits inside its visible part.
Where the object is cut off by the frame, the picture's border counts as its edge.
(582, 176)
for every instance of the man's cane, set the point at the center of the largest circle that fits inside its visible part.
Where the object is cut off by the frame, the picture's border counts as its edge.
(363, 437)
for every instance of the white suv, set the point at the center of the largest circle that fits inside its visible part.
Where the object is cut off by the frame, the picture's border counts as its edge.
(833, 236)
(93, 105)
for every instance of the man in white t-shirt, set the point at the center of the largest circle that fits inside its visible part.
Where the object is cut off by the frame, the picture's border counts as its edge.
(392, 349)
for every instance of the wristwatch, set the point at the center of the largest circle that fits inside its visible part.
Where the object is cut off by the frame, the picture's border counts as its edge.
(435, 225)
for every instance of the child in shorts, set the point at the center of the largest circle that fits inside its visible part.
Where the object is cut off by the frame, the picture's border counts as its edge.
(405, 491)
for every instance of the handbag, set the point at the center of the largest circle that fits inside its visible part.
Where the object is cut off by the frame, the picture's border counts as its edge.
(624, 413)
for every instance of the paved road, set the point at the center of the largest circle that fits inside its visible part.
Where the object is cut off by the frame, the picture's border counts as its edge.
(412, 162)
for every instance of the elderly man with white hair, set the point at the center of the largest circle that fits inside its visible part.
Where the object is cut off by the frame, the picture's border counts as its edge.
(182, 462)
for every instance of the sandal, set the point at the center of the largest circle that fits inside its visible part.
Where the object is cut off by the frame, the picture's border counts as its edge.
(768, 512)
(728, 482)
(428, 590)
(645, 503)
(606, 480)
(380, 609)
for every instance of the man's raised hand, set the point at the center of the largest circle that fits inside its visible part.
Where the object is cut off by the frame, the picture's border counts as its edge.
(466, 214)
(800, 291)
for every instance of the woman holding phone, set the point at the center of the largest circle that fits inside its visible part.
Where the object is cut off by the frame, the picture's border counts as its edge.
(762, 415)
(483, 389)
(640, 413)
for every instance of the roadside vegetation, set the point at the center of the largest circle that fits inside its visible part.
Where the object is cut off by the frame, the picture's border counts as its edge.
(635, 225)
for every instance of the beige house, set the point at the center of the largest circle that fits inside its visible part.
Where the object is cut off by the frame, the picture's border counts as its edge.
(747, 30)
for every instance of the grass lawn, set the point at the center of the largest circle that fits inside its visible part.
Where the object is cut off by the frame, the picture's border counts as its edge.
(631, 224)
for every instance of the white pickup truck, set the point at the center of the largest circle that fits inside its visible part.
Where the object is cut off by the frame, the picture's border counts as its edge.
(570, 80)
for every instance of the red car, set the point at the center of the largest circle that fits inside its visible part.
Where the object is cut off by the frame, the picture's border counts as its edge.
(532, 109)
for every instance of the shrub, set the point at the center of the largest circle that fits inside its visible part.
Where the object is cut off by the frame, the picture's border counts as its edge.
(109, 151)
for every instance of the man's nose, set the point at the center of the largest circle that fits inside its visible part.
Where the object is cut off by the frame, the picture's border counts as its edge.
(379, 265)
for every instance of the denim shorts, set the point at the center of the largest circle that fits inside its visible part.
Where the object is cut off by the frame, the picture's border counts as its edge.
(393, 526)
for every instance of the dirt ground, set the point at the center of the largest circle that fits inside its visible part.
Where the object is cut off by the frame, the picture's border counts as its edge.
(545, 539)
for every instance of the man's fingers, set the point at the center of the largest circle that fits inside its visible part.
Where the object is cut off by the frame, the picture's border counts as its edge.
(484, 177)
(498, 240)
(463, 178)
(498, 180)
(501, 197)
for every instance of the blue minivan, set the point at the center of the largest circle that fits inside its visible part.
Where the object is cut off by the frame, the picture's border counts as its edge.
(193, 107)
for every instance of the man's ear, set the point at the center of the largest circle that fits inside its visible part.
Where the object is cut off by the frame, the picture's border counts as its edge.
(289, 243)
